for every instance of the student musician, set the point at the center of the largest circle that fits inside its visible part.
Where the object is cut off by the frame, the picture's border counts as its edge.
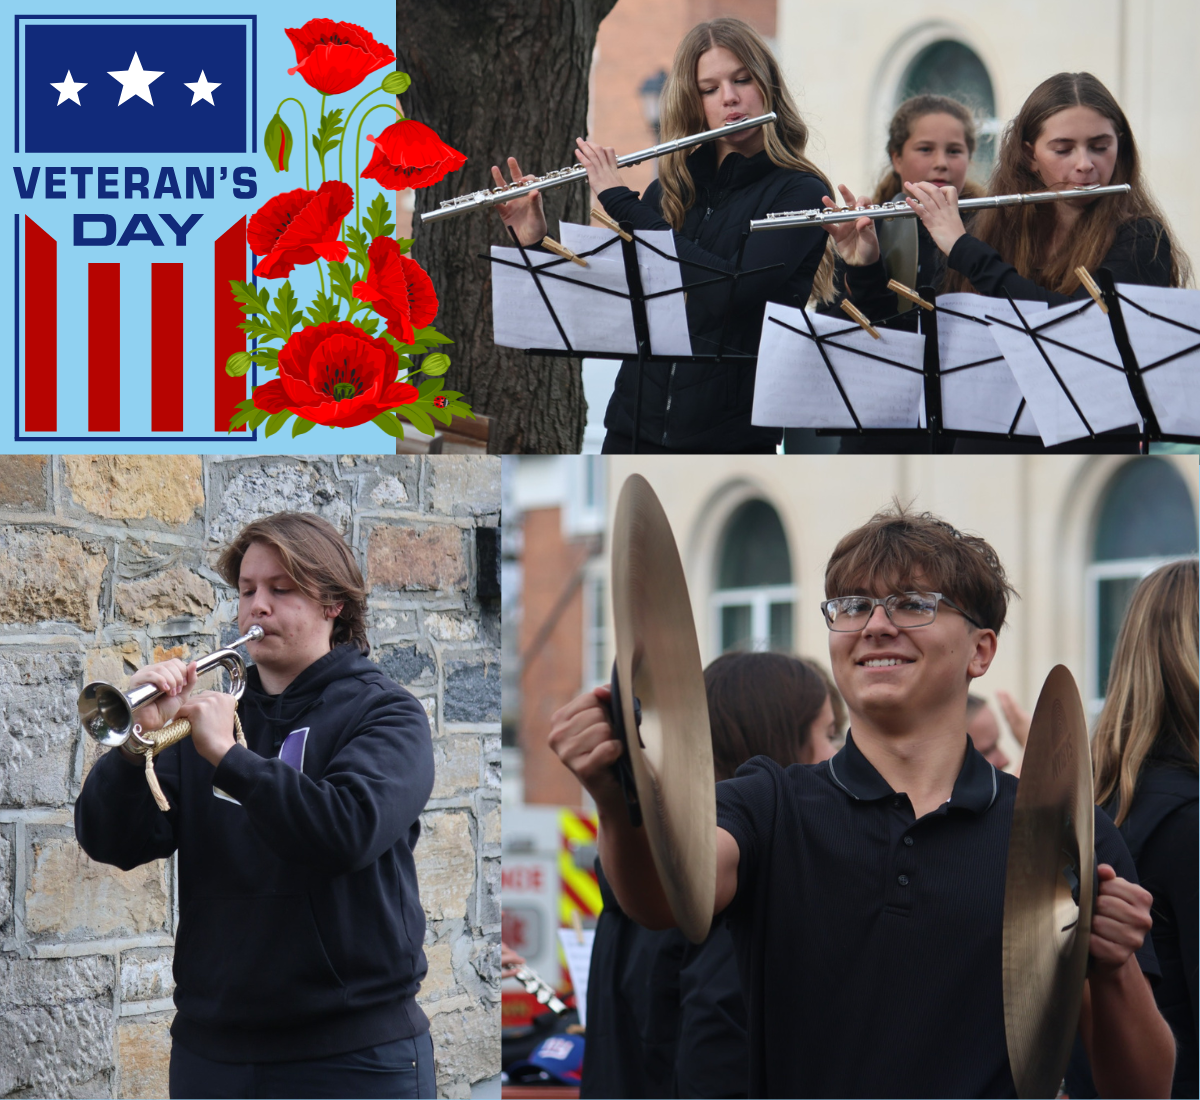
(723, 71)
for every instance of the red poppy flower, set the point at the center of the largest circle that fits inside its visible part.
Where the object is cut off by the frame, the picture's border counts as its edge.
(398, 290)
(298, 226)
(335, 374)
(335, 57)
(409, 154)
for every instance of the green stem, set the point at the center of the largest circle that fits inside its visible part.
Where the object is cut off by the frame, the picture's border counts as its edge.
(342, 147)
(357, 143)
(322, 127)
(293, 99)
(321, 274)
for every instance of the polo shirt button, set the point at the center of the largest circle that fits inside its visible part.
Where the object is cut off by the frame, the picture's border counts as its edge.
(897, 802)
(908, 840)
(903, 880)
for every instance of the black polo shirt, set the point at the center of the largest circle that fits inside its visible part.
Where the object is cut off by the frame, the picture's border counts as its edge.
(869, 943)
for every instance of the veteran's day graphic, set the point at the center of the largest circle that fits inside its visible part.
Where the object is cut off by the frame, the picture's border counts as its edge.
(202, 244)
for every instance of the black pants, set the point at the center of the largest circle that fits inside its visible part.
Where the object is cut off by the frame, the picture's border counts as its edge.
(401, 1068)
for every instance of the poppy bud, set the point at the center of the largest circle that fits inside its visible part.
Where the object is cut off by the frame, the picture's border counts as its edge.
(277, 143)
(396, 83)
(435, 364)
(238, 364)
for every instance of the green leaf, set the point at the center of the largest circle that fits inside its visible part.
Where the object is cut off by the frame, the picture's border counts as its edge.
(325, 308)
(266, 357)
(277, 421)
(341, 280)
(248, 298)
(375, 220)
(258, 331)
(358, 243)
(435, 364)
(239, 418)
(430, 335)
(301, 426)
(285, 303)
(257, 417)
(404, 244)
(389, 424)
(368, 325)
(441, 414)
(418, 416)
(429, 388)
(325, 139)
(403, 349)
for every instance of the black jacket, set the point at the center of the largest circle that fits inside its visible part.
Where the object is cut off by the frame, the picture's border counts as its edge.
(695, 407)
(300, 926)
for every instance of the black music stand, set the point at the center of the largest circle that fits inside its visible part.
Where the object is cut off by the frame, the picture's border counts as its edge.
(637, 299)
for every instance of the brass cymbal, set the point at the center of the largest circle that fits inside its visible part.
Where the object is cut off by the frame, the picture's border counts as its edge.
(658, 662)
(1049, 890)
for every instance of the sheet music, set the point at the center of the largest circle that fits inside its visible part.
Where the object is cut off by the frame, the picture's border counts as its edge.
(593, 320)
(577, 947)
(1174, 387)
(1100, 391)
(794, 389)
(984, 397)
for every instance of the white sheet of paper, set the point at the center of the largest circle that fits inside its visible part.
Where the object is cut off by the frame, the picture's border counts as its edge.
(593, 321)
(1173, 388)
(578, 949)
(985, 396)
(1101, 392)
(793, 388)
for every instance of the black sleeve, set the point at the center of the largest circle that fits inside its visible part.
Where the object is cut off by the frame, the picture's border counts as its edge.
(116, 818)
(1112, 849)
(867, 288)
(746, 810)
(713, 1058)
(1140, 253)
(787, 247)
(370, 795)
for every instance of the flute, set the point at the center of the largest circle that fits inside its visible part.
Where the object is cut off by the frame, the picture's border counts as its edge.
(881, 211)
(480, 199)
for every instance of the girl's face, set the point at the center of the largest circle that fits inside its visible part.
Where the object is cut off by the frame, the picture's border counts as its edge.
(823, 739)
(935, 152)
(1076, 148)
(728, 93)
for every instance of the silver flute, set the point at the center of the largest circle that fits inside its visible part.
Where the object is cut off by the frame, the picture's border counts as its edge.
(480, 199)
(881, 211)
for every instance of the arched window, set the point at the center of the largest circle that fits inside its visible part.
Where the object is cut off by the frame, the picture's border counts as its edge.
(1146, 520)
(948, 67)
(754, 596)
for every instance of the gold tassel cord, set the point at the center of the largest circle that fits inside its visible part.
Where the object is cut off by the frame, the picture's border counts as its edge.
(151, 744)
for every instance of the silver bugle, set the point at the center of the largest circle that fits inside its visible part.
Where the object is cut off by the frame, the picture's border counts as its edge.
(106, 712)
(477, 200)
(881, 211)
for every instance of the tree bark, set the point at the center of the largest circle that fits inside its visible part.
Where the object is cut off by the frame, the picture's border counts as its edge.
(499, 78)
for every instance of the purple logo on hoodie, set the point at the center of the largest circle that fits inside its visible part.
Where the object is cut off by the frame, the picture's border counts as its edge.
(292, 749)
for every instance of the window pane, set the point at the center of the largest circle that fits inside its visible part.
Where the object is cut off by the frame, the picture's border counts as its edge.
(736, 629)
(781, 627)
(755, 552)
(1113, 598)
(1147, 513)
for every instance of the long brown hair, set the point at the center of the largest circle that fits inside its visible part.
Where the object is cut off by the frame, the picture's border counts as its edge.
(764, 704)
(317, 559)
(1023, 234)
(785, 139)
(1153, 683)
(900, 130)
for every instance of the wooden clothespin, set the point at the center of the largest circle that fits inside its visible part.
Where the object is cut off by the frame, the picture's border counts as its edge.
(911, 295)
(560, 250)
(857, 315)
(605, 220)
(577, 924)
(1091, 286)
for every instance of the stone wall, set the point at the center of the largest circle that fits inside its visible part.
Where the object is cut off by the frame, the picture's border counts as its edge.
(107, 563)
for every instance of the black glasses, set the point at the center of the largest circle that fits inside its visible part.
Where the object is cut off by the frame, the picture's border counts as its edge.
(907, 610)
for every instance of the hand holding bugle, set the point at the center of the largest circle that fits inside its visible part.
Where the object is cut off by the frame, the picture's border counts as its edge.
(881, 211)
(481, 199)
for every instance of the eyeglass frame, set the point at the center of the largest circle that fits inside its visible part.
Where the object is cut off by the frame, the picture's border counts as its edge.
(882, 601)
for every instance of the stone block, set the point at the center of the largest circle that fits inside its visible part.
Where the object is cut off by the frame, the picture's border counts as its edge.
(48, 576)
(389, 621)
(23, 482)
(456, 765)
(466, 1047)
(406, 664)
(430, 558)
(389, 492)
(175, 593)
(463, 485)
(489, 822)
(56, 1026)
(114, 664)
(445, 864)
(71, 898)
(449, 627)
(146, 974)
(144, 1055)
(38, 725)
(489, 902)
(169, 488)
(248, 489)
(473, 691)
(7, 876)
(439, 981)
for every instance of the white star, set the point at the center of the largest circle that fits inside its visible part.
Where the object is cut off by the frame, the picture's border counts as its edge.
(202, 89)
(135, 81)
(68, 89)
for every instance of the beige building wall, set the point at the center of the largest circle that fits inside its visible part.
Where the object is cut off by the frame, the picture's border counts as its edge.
(844, 66)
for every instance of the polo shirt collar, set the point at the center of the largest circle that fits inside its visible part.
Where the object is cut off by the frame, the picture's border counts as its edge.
(974, 790)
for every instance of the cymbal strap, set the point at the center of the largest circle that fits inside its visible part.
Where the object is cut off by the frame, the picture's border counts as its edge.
(623, 769)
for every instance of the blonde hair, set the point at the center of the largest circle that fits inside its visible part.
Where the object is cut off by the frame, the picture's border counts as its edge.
(1153, 683)
(683, 113)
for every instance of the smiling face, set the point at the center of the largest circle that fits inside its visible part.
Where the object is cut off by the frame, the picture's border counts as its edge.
(297, 629)
(1077, 147)
(935, 152)
(728, 93)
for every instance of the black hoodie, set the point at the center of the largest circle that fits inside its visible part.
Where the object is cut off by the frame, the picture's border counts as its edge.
(300, 926)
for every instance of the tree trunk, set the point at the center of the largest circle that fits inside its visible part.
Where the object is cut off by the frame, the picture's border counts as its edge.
(499, 78)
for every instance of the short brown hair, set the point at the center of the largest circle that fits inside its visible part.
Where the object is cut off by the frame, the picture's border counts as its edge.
(895, 546)
(316, 557)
